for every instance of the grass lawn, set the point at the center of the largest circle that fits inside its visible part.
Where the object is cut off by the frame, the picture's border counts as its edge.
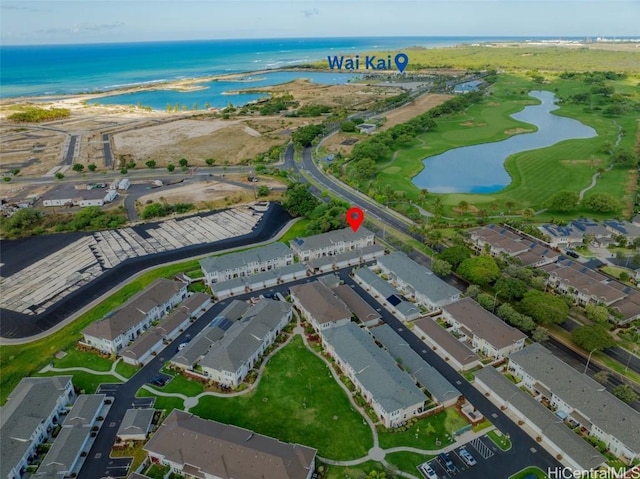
(83, 359)
(407, 461)
(537, 473)
(501, 440)
(182, 385)
(85, 382)
(480, 426)
(156, 471)
(428, 431)
(126, 370)
(352, 472)
(166, 403)
(297, 401)
(297, 230)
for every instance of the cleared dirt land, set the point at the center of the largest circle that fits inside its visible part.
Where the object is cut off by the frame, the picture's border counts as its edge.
(421, 105)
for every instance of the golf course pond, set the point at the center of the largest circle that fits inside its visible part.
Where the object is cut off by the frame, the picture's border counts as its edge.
(480, 168)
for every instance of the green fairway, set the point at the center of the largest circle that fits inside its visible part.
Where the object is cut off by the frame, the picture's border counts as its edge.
(536, 174)
(296, 401)
(433, 432)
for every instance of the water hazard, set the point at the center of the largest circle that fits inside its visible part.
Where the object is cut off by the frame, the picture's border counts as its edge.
(480, 168)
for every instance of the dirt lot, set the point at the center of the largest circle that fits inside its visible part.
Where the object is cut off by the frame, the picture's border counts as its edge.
(405, 113)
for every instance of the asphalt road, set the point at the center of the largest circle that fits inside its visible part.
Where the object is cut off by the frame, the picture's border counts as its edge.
(71, 149)
(16, 325)
(106, 147)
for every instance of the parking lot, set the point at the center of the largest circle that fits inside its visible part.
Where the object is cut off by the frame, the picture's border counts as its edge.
(482, 449)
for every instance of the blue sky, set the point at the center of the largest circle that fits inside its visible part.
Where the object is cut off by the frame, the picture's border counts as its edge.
(91, 21)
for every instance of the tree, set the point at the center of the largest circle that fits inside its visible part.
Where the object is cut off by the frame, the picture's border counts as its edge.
(540, 335)
(124, 171)
(210, 161)
(592, 337)
(528, 214)
(131, 165)
(480, 270)
(564, 201)
(463, 206)
(92, 167)
(171, 167)
(602, 202)
(432, 237)
(455, 255)
(363, 170)
(150, 164)
(596, 313)
(487, 301)
(473, 291)
(263, 190)
(298, 200)
(440, 267)
(511, 288)
(601, 376)
(348, 126)
(183, 162)
(59, 175)
(624, 158)
(77, 167)
(625, 393)
(520, 321)
(544, 308)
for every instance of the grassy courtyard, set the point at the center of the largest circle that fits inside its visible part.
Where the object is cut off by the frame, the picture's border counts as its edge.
(433, 432)
(529, 472)
(296, 401)
(87, 383)
(407, 461)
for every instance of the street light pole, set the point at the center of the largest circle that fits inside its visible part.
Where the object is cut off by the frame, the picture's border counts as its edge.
(588, 360)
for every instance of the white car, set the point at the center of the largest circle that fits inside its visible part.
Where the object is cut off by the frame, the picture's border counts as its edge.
(468, 458)
(428, 472)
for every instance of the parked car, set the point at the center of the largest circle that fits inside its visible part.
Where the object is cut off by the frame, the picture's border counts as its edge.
(446, 462)
(158, 381)
(428, 472)
(572, 253)
(467, 457)
(182, 346)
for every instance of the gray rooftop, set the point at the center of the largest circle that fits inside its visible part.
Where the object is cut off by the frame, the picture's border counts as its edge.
(344, 235)
(439, 387)
(346, 256)
(356, 304)
(32, 400)
(214, 332)
(378, 372)
(387, 291)
(136, 421)
(419, 277)
(75, 431)
(262, 254)
(219, 450)
(484, 324)
(258, 278)
(446, 341)
(584, 394)
(245, 336)
(134, 310)
(572, 444)
(321, 302)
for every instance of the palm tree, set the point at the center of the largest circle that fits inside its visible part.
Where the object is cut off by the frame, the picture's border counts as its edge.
(509, 204)
(528, 214)
(423, 195)
(463, 206)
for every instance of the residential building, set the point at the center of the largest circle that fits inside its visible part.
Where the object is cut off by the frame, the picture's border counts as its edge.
(32, 409)
(501, 240)
(135, 425)
(356, 257)
(246, 263)
(195, 447)
(575, 232)
(629, 230)
(65, 456)
(390, 391)
(417, 282)
(331, 243)
(81, 195)
(115, 331)
(580, 399)
(483, 331)
(319, 305)
(441, 390)
(555, 436)
(386, 294)
(451, 349)
(367, 128)
(229, 360)
(258, 281)
(358, 306)
(140, 351)
(124, 184)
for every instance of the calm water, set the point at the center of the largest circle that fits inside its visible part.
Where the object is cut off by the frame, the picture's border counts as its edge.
(55, 69)
(214, 92)
(480, 168)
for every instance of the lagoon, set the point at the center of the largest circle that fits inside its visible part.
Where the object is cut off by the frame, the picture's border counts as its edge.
(480, 168)
(217, 92)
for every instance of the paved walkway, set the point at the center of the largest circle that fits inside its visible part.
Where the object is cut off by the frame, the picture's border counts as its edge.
(111, 372)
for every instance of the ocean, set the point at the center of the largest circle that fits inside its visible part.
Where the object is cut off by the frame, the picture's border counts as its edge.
(67, 69)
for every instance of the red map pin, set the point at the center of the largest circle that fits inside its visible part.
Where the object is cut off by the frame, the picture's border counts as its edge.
(355, 217)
